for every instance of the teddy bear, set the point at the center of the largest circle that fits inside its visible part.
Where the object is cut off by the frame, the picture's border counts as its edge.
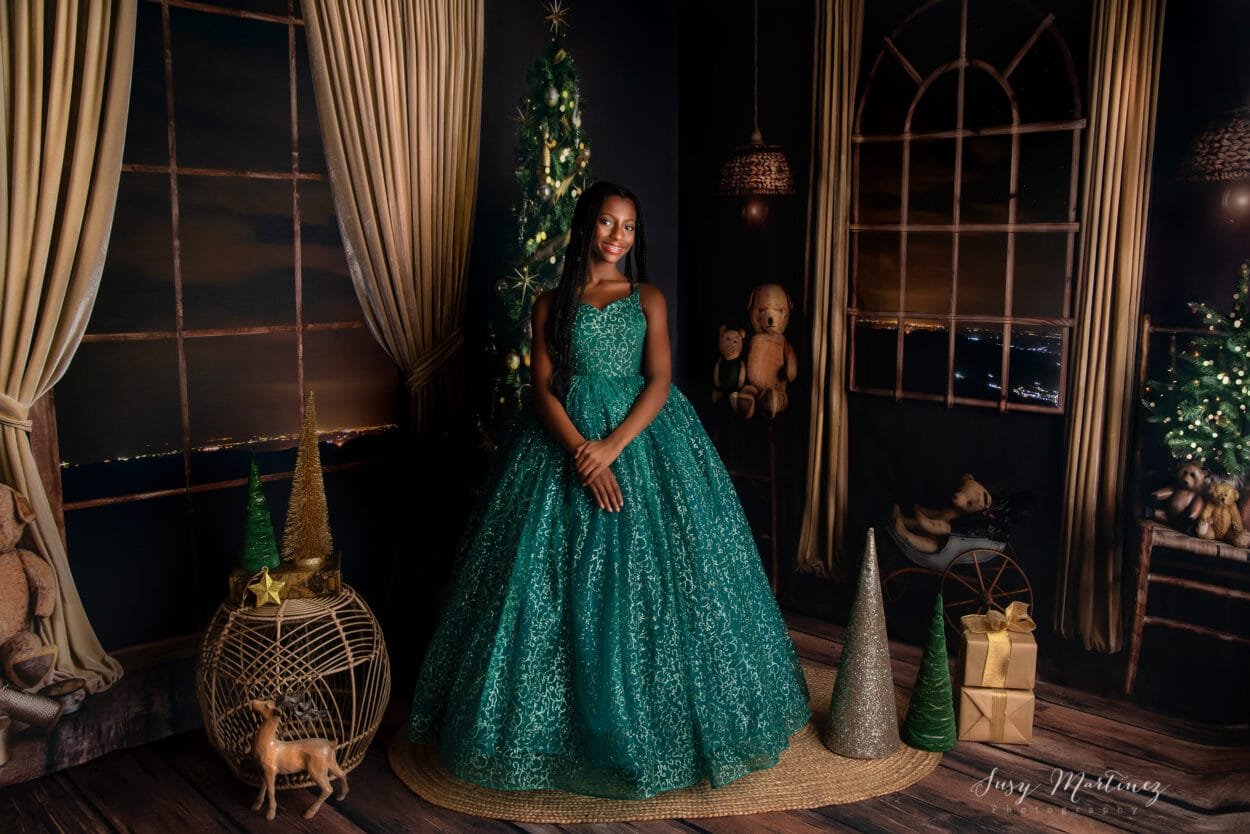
(1182, 502)
(1221, 520)
(730, 372)
(771, 360)
(27, 594)
(927, 526)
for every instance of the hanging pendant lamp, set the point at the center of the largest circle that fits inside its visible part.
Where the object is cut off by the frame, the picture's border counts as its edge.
(756, 169)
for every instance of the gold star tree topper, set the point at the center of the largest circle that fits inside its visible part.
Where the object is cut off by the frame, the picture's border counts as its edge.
(556, 13)
(268, 589)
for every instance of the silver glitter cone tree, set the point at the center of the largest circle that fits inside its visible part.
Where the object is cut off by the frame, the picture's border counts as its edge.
(863, 718)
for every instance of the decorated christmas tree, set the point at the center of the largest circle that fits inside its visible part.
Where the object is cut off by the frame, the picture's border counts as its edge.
(260, 548)
(1203, 404)
(552, 169)
(930, 722)
(306, 540)
(863, 717)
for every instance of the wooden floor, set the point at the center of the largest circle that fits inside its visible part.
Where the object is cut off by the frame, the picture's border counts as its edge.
(179, 785)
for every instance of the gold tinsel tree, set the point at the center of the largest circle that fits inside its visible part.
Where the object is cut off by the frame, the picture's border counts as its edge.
(306, 540)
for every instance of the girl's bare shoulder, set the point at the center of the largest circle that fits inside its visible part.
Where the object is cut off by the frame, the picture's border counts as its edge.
(652, 298)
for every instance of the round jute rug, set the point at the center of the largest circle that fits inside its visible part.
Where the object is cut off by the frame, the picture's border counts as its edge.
(807, 776)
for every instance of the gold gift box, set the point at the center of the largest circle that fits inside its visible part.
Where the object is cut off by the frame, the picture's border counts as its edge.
(1012, 664)
(992, 714)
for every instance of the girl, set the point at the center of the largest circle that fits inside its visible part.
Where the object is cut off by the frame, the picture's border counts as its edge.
(609, 629)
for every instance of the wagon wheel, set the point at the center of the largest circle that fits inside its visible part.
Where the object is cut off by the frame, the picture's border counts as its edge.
(970, 587)
(894, 583)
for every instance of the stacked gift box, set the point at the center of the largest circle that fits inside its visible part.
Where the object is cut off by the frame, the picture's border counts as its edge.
(997, 676)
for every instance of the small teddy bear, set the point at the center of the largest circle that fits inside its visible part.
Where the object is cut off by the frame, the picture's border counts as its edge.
(27, 594)
(771, 360)
(730, 371)
(924, 530)
(1221, 520)
(1182, 502)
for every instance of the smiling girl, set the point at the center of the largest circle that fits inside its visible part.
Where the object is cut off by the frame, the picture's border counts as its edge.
(609, 629)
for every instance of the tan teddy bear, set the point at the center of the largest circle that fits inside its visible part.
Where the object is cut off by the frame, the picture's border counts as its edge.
(771, 360)
(27, 593)
(730, 372)
(927, 526)
(1221, 520)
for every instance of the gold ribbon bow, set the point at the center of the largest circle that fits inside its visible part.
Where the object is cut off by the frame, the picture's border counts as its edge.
(995, 625)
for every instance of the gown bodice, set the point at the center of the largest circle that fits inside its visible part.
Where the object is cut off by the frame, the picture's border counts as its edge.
(609, 341)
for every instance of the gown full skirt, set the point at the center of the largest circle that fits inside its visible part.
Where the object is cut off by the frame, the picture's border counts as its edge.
(611, 654)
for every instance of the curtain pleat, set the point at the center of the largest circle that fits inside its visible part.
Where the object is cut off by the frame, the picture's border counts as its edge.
(398, 87)
(66, 95)
(839, 24)
(1125, 51)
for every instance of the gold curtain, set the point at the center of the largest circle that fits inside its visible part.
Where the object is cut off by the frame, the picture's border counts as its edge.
(839, 24)
(66, 95)
(1125, 49)
(398, 86)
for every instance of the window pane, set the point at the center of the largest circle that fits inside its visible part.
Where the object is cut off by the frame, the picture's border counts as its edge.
(328, 291)
(889, 96)
(1043, 83)
(231, 464)
(232, 105)
(147, 542)
(119, 400)
(931, 38)
(928, 287)
(876, 353)
(242, 389)
(147, 139)
(311, 153)
(356, 383)
(937, 108)
(986, 190)
(985, 102)
(137, 286)
(278, 7)
(238, 252)
(1041, 263)
(1036, 358)
(926, 347)
(979, 361)
(982, 273)
(877, 273)
(932, 185)
(1045, 188)
(998, 30)
(880, 178)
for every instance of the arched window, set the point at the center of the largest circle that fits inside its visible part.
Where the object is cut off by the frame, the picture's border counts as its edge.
(967, 142)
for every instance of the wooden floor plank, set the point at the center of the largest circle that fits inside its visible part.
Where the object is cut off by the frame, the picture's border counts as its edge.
(51, 804)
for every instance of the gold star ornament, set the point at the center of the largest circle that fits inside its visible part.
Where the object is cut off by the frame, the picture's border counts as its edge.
(268, 589)
(556, 12)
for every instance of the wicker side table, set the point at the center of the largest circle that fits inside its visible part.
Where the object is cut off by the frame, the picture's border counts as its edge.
(328, 652)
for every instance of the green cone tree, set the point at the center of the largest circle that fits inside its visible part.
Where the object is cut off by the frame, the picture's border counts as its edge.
(1204, 403)
(552, 169)
(259, 548)
(930, 721)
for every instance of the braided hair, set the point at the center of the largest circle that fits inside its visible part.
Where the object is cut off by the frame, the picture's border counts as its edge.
(568, 294)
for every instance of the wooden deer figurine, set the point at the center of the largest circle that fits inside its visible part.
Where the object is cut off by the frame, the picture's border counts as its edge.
(314, 755)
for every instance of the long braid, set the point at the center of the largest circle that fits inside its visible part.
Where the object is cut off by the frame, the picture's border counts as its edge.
(568, 295)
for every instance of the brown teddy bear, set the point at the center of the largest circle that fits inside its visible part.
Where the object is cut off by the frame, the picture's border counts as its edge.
(1183, 501)
(1221, 520)
(27, 593)
(927, 526)
(771, 360)
(730, 372)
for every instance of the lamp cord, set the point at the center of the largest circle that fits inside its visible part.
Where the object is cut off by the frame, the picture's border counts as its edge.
(756, 47)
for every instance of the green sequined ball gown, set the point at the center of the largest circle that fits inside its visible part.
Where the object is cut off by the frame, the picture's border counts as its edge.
(612, 654)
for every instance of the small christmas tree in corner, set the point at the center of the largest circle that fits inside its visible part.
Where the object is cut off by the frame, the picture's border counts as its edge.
(306, 540)
(260, 548)
(1204, 404)
(930, 722)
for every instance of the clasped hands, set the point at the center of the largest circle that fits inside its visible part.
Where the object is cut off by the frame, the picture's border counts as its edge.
(593, 459)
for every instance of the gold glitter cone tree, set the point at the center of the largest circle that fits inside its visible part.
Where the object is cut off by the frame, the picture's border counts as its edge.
(863, 718)
(306, 540)
(930, 722)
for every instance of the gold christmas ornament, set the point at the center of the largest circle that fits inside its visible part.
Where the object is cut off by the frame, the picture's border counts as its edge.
(306, 540)
(556, 13)
(513, 361)
(267, 590)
